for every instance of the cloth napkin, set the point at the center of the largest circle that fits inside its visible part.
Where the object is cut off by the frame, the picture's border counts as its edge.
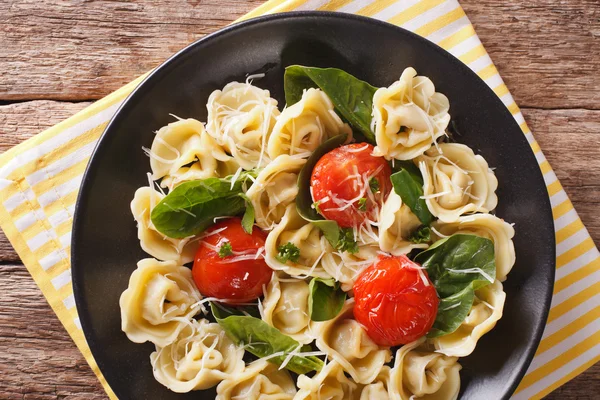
(40, 179)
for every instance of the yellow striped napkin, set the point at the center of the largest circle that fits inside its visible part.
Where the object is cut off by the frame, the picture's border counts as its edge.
(40, 178)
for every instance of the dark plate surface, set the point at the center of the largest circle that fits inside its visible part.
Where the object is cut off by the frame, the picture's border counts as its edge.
(105, 248)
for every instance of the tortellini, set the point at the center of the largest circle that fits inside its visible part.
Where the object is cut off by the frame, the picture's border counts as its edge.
(240, 118)
(409, 116)
(486, 311)
(152, 241)
(285, 307)
(302, 127)
(159, 302)
(245, 131)
(347, 342)
(456, 182)
(260, 380)
(424, 375)
(305, 236)
(396, 224)
(379, 388)
(183, 151)
(345, 267)
(274, 189)
(200, 358)
(330, 383)
(491, 227)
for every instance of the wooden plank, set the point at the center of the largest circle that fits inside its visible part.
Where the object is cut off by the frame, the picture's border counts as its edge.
(73, 50)
(547, 51)
(102, 45)
(38, 359)
(570, 140)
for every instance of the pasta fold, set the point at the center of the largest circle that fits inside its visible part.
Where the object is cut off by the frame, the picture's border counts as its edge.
(345, 267)
(240, 118)
(285, 307)
(260, 380)
(200, 358)
(306, 237)
(274, 189)
(302, 127)
(409, 116)
(159, 302)
(347, 342)
(486, 311)
(424, 375)
(456, 182)
(183, 151)
(330, 383)
(152, 241)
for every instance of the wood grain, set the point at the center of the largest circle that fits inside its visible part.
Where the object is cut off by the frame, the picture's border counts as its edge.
(547, 51)
(80, 50)
(38, 360)
(71, 50)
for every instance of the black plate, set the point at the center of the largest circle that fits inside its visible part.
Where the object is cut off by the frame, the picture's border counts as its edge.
(105, 247)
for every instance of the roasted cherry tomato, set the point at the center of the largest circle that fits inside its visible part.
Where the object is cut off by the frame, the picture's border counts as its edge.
(395, 301)
(349, 184)
(229, 263)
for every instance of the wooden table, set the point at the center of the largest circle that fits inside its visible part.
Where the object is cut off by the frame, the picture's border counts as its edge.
(56, 57)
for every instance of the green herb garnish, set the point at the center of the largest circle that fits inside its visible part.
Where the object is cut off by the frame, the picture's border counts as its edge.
(346, 242)
(225, 250)
(288, 252)
(362, 204)
(374, 185)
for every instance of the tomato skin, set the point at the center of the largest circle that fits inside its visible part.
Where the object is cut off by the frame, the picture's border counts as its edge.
(393, 303)
(330, 175)
(215, 277)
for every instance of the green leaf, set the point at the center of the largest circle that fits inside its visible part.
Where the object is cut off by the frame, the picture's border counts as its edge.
(192, 206)
(288, 252)
(347, 242)
(325, 299)
(225, 250)
(248, 218)
(352, 98)
(263, 340)
(408, 184)
(362, 204)
(452, 311)
(458, 261)
(421, 235)
(374, 185)
(304, 200)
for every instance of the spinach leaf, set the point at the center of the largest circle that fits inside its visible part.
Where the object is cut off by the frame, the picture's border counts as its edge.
(352, 98)
(192, 206)
(325, 299)
(408, 184)
(452, 311)
(458, 261)
(304, 200)
(248, 218)
(263, 340)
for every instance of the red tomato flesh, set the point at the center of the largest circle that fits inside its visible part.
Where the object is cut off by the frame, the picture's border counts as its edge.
(393, 302)
(231, 281)
(343, 175)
